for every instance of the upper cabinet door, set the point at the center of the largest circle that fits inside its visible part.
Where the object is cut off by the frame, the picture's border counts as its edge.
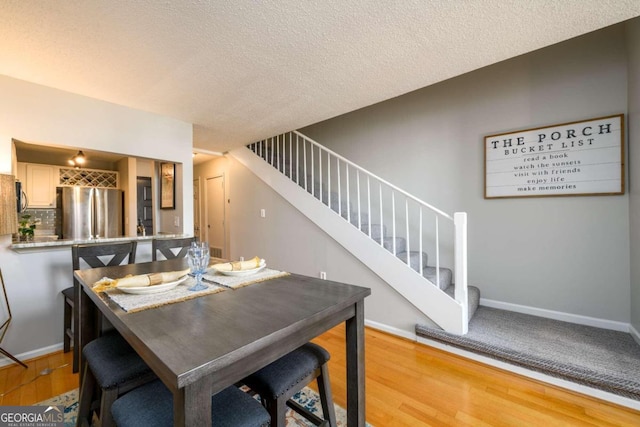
(40, 186)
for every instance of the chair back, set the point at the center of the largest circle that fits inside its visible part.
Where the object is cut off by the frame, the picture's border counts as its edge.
(166, 246)
(96, 255)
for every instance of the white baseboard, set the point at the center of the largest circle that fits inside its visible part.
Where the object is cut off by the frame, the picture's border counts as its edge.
(579, 388)
(634, 333)
(391, 330)
(558, 315)
(5, 361)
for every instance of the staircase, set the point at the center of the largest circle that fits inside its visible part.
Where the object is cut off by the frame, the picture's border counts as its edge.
(388, 229)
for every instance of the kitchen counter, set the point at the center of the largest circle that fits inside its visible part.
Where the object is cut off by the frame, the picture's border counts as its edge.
(47, 243)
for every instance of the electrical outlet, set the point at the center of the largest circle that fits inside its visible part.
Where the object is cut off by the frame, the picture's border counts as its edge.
(176, 221)
(323, 275)
(263, 213)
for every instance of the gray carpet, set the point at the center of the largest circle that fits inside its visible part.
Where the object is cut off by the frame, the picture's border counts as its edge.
(599, 358)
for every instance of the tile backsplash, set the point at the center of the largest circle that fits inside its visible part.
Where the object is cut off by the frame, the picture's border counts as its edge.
(47, 219)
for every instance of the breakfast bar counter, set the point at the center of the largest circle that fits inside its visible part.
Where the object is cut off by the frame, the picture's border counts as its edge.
(47, 244)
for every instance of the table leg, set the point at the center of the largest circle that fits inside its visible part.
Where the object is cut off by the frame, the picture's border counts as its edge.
(192, 404)
(355, 368)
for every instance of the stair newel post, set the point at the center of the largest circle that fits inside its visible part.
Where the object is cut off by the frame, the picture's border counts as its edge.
(460, 248)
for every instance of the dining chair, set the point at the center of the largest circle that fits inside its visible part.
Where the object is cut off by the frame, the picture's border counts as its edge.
(114, 368)
(166, 247)
(152, 405)
(94, 255)
(278, 382)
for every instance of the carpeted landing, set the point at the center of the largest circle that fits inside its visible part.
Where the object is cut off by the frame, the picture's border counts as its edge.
(598, 358)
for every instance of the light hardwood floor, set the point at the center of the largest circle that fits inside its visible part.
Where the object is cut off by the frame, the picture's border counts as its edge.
(407, 384)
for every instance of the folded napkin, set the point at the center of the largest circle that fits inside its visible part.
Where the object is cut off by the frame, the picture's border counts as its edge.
(239, 265)
(140, 280)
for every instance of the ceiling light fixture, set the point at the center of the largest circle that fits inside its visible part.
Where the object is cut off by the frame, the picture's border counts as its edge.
(77, 160)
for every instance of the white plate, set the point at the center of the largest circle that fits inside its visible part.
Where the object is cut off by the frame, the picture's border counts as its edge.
(155, 289)
(244, 272)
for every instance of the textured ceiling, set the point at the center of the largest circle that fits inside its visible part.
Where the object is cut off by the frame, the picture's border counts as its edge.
(242, 70)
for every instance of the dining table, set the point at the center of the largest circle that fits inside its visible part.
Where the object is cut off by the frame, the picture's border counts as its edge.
(200, 346)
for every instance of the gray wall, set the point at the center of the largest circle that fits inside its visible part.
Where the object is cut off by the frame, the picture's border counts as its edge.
(633, 49)
(567, 254)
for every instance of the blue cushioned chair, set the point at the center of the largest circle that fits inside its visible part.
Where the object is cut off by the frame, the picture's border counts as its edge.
(166, 246)
(152, 405)
(114, 367)
(93, 256)
(278, 382)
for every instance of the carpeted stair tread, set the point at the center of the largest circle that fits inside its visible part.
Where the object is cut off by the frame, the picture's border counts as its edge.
(446, 277)
(599, 358)
(387, 243)
(414, 259)
(473, 298)
(376, 230)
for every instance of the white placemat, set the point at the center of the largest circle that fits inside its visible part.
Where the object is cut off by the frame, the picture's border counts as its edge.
(236, 282)
(132, 303)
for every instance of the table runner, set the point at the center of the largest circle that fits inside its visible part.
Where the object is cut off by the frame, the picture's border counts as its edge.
(214, 281)
(236, 282)
(133, 302)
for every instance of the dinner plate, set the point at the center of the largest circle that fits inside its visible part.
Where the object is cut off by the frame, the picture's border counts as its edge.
(244, 272)
(154, 289)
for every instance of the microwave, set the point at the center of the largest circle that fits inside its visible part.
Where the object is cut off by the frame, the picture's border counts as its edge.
(21, 197)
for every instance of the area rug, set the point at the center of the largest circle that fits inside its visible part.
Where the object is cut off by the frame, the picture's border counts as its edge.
(307, 398)
(598, 358)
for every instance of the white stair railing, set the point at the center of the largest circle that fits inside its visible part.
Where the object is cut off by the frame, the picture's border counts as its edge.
(326, 174)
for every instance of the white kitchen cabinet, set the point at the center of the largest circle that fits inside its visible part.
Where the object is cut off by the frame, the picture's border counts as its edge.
(39, 183)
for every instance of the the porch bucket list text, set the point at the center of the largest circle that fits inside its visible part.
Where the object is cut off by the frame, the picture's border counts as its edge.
(578, 158)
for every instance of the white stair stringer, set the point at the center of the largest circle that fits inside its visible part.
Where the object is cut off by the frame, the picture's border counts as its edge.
(429, 299)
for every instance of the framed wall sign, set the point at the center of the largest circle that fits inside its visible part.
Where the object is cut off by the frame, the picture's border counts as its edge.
(572, 159)
(167, 186)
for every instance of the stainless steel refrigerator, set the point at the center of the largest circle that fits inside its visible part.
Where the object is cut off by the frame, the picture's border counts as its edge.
(90, 213)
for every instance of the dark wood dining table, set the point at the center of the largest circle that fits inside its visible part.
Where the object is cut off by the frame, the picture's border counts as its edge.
(200, 346)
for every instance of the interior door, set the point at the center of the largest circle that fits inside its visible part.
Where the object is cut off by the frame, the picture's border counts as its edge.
(215, 215)
(145, 205)
(196, 208)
